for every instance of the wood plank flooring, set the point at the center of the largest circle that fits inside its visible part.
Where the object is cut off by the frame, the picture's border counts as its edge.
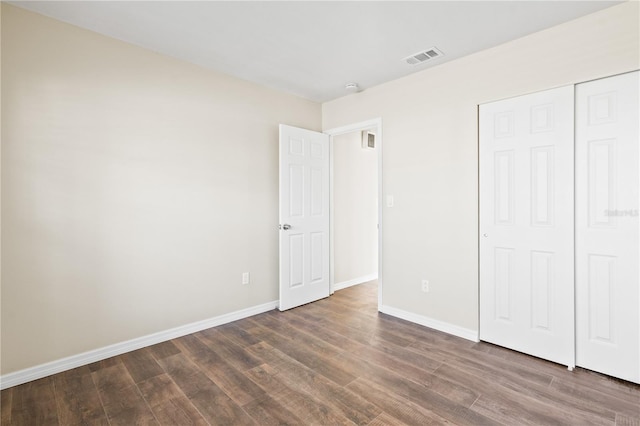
(333, 362)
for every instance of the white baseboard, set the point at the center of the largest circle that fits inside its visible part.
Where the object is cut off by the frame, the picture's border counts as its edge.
(445, 327)
(58, 366)
(344, 284)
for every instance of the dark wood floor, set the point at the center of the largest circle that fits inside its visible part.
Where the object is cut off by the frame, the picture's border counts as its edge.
(333, 362)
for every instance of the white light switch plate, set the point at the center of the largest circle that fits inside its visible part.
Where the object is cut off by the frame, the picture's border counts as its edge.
(389, 200)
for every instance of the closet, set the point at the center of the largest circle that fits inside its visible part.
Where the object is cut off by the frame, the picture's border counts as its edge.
(559, 226)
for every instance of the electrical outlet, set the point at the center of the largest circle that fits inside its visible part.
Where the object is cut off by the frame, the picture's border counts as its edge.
(425, 286)
(245, 278)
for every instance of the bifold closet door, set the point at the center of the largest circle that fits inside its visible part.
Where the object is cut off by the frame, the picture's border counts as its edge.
(526, 224)
(607, 226)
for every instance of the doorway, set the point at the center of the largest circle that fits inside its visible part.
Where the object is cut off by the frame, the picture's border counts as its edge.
(356, 215)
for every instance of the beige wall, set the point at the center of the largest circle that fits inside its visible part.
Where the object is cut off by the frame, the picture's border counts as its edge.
(430, 162)
(135, 190)
(355, 209)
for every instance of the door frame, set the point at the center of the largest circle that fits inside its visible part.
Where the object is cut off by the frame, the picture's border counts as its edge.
(375, 124)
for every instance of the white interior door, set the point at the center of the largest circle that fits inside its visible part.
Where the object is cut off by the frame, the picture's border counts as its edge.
(607, 231)
(304, 216)
(526, 224)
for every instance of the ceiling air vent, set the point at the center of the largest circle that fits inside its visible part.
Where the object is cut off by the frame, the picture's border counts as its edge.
(420, 57)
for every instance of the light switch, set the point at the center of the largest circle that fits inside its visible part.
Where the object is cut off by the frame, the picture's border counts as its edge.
(389, 200)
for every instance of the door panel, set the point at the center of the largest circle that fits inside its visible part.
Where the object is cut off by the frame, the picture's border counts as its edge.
(304, 208)
(526, 224)
(607, 226)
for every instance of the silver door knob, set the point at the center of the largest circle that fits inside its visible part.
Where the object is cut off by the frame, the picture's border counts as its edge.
(286, 226)
(485, 235)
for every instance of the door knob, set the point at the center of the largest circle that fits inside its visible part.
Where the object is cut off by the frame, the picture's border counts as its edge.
(485, 235)
(286, 226)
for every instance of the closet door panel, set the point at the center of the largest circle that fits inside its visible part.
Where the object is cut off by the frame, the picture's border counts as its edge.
(526, 224)
(607, 226)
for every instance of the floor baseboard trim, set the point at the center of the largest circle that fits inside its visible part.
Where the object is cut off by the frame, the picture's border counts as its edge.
(58, 366)
(445, 327)
(360, 280)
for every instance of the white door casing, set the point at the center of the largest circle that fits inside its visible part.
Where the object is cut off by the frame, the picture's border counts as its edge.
(607, 226)
(526, 224)
(304, 216)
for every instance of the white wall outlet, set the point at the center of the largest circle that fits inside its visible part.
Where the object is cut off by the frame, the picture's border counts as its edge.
(245, 278)
(425, 286)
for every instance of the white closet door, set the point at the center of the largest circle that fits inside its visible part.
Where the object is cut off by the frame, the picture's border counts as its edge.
(526, 224)
(607, 232)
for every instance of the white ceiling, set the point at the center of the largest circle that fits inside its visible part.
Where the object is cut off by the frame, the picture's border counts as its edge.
(312, 49)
